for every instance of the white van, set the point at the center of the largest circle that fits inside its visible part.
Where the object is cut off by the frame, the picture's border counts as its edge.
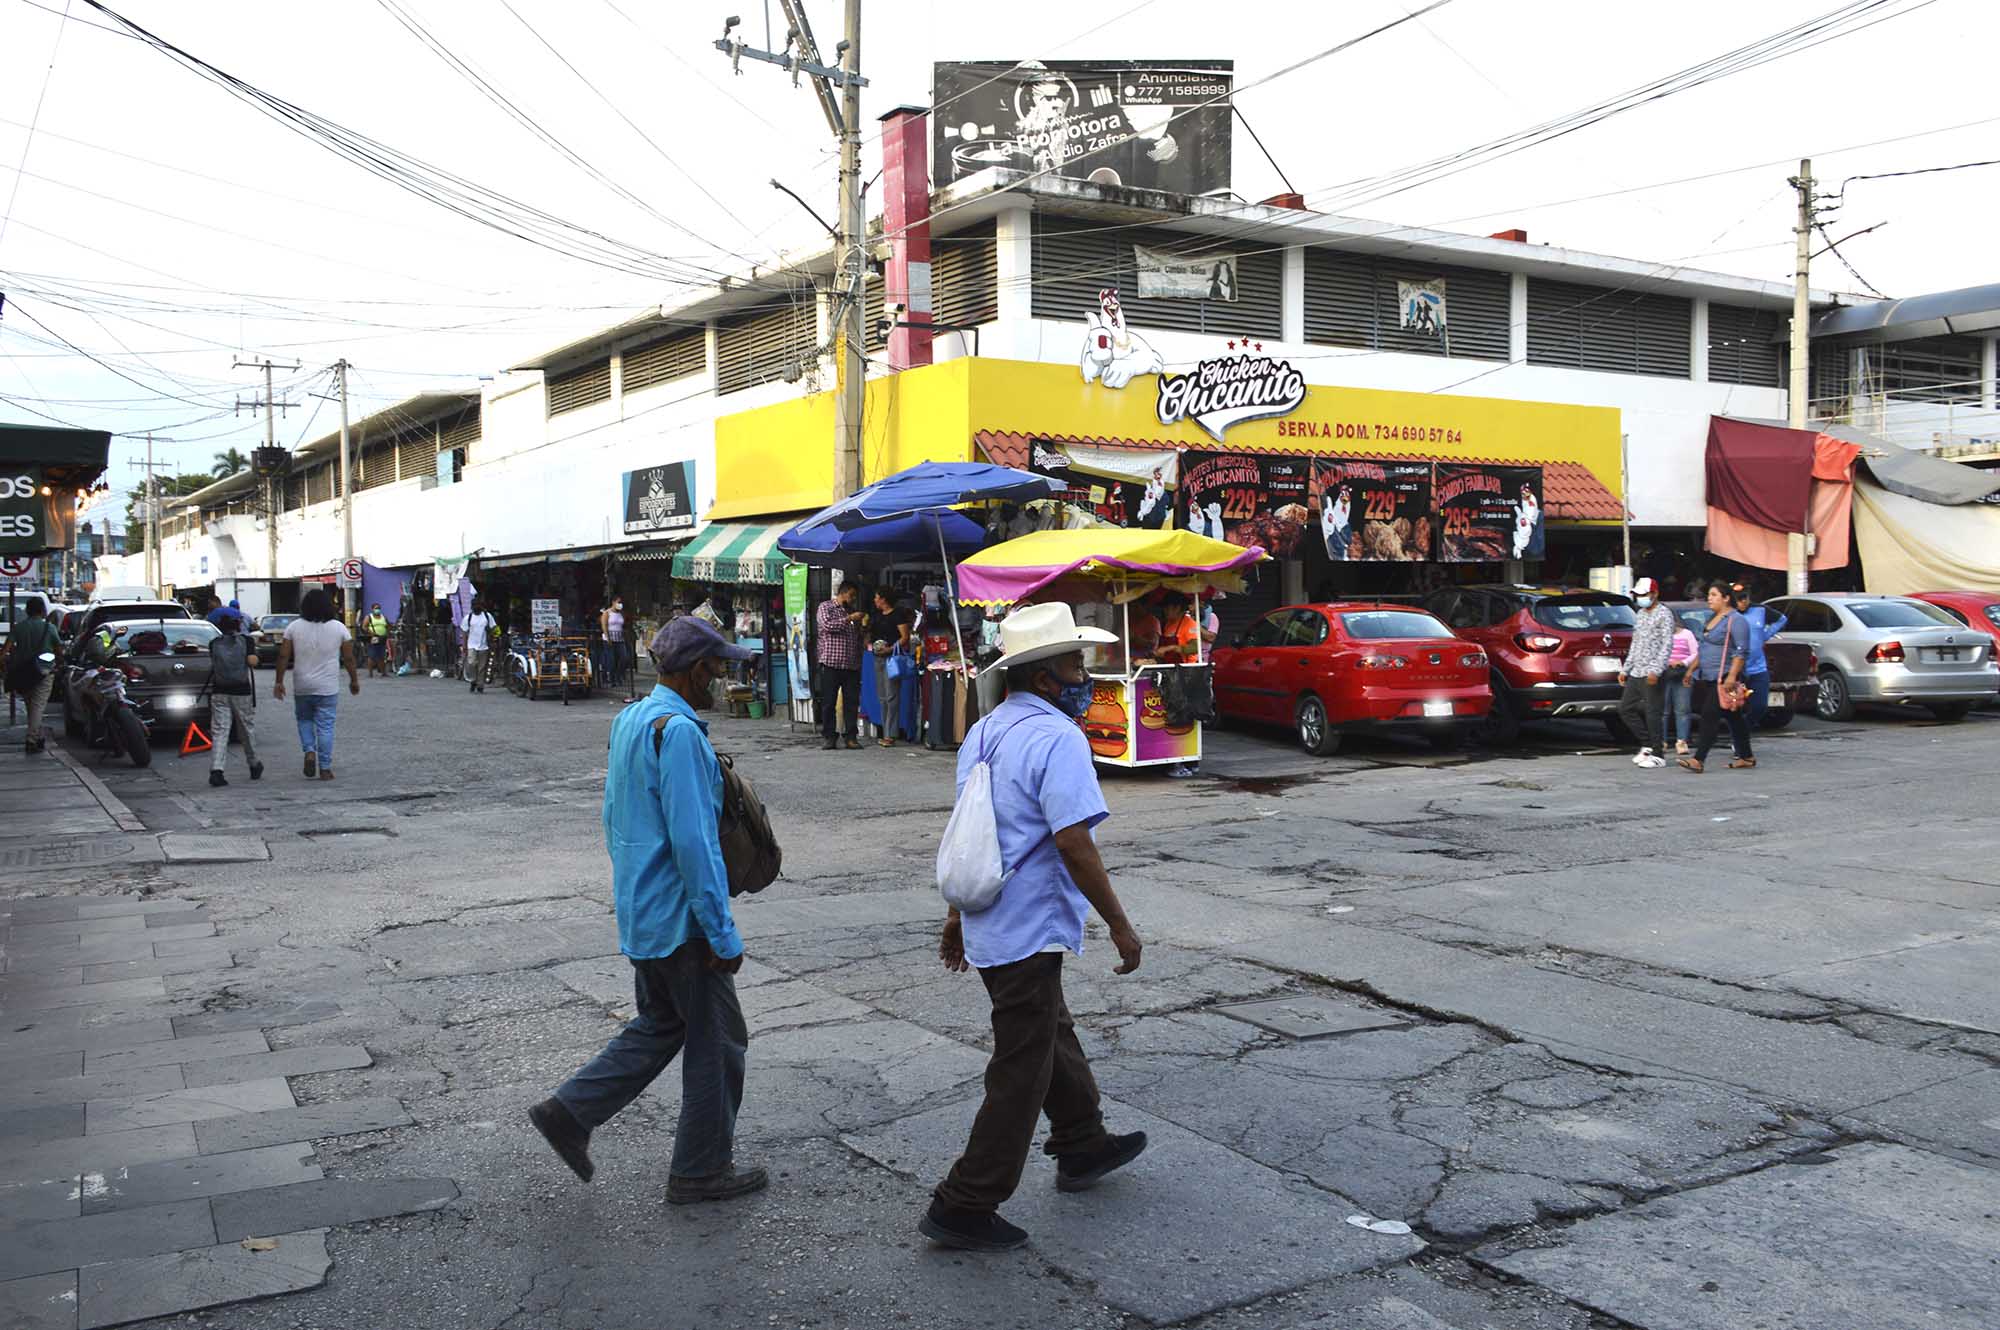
(123, 593)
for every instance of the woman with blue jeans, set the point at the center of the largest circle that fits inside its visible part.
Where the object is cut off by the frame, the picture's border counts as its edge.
(1680, 692)
(320, 647)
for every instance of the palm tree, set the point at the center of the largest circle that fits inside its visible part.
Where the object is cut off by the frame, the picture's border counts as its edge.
(228, 464)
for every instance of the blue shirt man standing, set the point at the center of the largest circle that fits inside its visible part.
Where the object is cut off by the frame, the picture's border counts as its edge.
(1045, 802)
(662, 799)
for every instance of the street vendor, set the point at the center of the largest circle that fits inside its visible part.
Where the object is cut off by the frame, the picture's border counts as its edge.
(1180, 637)
(1143, 641)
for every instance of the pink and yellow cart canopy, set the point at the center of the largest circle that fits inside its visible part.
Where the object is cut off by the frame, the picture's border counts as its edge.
(1123, 563)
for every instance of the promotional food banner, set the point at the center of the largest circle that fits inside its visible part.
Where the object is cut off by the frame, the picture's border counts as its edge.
(1124, 488)
(1247, 499)
(795, 629)
(1129, 724)
(1489, 513)
(1372, 511)
(1142, 124)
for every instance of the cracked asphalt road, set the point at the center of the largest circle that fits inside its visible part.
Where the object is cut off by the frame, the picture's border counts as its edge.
(1611, 994)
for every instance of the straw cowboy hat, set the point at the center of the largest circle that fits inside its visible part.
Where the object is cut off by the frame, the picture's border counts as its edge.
(1036, 632)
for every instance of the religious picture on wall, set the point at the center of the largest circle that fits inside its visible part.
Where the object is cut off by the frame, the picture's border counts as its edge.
(1489, 513)
(1373, 511)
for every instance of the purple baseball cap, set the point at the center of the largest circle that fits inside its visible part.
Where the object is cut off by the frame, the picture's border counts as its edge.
(678, 645)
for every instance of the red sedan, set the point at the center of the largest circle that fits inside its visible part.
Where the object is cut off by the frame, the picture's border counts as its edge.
(1975, 609)
(1332, 670)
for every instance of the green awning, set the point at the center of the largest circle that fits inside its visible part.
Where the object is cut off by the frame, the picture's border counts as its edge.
(734, 552)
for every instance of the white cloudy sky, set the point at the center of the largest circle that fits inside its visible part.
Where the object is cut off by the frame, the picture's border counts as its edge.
(168, 228)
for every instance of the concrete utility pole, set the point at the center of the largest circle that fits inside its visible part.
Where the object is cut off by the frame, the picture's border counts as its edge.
(270, 404)
(1798, 571)
(843, 117)
(346, 492)
(152, 520)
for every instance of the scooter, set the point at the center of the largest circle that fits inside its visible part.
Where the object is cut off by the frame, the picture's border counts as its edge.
(107, 714)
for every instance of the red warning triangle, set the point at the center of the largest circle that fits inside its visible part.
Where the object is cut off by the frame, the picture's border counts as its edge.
(195, 741)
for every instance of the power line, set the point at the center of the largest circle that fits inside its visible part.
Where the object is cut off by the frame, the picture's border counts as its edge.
(34, 120)
(1834, 249)
(1897, 175)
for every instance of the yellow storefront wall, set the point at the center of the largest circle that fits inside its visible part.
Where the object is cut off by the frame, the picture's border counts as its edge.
(780, 458)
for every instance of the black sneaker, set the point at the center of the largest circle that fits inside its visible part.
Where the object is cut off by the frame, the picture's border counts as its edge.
(256, 771)
(565, 1135)
(727, 1185)
(829, 744)
(970, 1230)
(312, 765)
(1081, 1171)
(217, 778)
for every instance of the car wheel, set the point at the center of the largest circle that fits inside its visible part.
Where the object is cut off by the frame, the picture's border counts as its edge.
(1835, 703)
(1950, 713)
(1502, 725)
(1316, 734)
(1776, 719)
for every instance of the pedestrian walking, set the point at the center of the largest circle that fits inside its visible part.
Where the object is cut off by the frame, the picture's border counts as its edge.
(1643, 704)
(839, 624)
(1680, 690)
(1756, 670)
(1719, 671)
(376, 629)
(232, 698)
(480, 627)
(28, 676)
(889, 636)
(1045, 802)
(662, 801)
(321, 647)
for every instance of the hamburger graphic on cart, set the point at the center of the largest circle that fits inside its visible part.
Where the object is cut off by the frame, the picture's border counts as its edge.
(1145, 709)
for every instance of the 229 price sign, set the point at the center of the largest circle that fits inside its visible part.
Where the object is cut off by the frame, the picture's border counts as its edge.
(1374, 511)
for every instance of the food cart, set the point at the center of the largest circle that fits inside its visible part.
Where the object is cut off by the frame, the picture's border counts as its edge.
(1128, 723)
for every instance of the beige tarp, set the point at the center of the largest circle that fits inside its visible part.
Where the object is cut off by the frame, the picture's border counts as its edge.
(1907, 545)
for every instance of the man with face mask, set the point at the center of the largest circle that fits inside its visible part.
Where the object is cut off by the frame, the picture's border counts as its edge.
(662, 800)
(1045, 802)
(1644, 701)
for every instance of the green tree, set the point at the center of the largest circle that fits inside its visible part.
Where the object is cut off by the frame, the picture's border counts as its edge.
(228, 464)
(171, 488)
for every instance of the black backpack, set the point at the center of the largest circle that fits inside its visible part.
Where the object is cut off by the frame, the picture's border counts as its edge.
(750, 851)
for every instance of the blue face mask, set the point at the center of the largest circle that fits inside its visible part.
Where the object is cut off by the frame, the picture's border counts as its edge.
(1074, 699)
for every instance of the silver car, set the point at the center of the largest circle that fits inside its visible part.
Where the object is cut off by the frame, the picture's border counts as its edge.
(1890, 650)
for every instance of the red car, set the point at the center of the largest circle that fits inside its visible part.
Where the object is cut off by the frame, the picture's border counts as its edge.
(1556, 651)
(1974, 609)
(1332, 670)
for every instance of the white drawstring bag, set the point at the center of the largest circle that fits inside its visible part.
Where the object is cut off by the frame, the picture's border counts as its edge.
(970, 871)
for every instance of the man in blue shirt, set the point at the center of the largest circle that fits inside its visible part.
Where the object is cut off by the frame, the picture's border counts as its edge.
(1756, 670)
(1045, 802)
(662, 799)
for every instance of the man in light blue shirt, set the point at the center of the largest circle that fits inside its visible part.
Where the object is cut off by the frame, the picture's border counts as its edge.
(1045, 802)
(662, 800)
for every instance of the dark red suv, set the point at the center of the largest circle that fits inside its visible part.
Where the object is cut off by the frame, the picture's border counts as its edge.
(1555, 651)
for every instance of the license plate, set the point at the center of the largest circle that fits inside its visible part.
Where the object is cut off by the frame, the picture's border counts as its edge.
(1943, 653)
(177, 702)
(1602, 664)
(1437, 708)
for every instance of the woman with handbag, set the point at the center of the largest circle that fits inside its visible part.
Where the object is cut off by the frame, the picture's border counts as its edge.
(1717, 675)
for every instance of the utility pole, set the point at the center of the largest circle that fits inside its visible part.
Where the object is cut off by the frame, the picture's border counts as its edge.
(843, 116)
(346, 493)
(152, 520)
(1798, 571)
(272, 480)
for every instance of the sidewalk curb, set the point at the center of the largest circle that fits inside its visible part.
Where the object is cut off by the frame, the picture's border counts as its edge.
(126, 819)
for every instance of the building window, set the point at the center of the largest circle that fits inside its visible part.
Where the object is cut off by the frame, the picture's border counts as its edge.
(1074, 260)
(458, 438)
(574, 389)
(768, 345)
(1609, 329)
(1926, 369)
(1745, 346)
(1358, 300)
(678, 356)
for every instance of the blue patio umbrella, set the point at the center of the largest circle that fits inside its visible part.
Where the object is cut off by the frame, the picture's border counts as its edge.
(914, 536)
(932, 485)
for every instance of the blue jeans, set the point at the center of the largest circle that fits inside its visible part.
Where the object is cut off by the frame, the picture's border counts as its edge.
(683, 1006)
(1679, 713)
(315, 716)
(1760, 697)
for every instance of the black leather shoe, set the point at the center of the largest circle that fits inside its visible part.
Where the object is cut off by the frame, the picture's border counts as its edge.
(217, 778)
(970, 1230)
(1081, 1171)
(724, 1186)
(565, 1135)
(828, 744)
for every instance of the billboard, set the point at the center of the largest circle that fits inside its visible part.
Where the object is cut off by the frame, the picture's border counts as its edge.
(659, 498)
(1374, 511)
(1130, 123)
(1489, 513)
(1124, 488)
(1247, 499)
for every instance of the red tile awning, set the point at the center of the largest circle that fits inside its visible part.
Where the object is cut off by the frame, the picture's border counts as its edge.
(1569, 489)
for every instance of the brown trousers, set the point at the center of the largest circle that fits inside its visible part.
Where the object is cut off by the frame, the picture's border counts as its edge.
(1037, 1068)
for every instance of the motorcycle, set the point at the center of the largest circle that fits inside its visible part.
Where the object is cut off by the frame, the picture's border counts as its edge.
(99, 711)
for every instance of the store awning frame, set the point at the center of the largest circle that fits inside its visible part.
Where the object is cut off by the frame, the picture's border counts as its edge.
(734, 552)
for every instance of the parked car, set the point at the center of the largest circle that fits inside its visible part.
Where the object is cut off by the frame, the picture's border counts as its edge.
(115, 612)
(166, 666)
(268, 634)
(1555, 651)
(1890, 650)
(1331, 670)
(1975, 609)
(1794, 667)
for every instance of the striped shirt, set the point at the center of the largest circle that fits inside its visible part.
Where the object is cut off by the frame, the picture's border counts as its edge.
(839, 640)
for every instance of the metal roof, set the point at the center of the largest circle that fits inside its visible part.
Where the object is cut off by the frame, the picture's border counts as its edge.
(419, 410)
(1967, 310)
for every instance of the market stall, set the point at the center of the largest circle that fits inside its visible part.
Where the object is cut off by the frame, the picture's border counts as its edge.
(1134, 718)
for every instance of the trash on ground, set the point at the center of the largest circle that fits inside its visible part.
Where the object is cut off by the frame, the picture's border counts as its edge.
(1340, 909)
(1394, 1228)
(260, 1244)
